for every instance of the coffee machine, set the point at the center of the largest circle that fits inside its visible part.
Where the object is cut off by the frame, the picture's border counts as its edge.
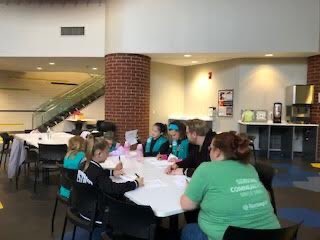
(298, 103)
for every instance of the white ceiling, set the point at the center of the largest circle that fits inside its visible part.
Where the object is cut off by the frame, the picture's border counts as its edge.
(201, 58)
(85, 65)
(25, 64)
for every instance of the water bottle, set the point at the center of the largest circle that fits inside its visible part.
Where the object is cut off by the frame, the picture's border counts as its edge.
(49, 133)
(174, 147)
(139, 153)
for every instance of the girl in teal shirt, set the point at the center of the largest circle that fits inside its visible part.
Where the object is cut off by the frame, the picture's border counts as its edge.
(157, 143)
(179, 144)
(73, 158)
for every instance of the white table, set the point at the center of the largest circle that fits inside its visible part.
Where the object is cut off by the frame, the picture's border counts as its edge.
(18, 152)
(163, 199)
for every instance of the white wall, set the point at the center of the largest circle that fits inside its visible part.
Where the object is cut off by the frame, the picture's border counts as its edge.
(257, 84)
(34, 30)
(212, 26)
(166, 91)
(26, 91)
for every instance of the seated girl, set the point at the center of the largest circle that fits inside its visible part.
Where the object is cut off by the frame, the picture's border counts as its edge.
(228, 192)
(115, 148)
(157, 142)
(180, 143)
(73, 158)
(94, 174)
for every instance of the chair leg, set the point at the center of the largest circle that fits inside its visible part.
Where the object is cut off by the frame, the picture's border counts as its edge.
(90, 236)
(5, 160)
(64, 227)
(36, 172)
(254, 154)
(17, 177)
(53, 215)
(74, 232)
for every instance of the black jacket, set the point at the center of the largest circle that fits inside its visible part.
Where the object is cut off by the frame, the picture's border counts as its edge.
(196, 155)
(100, 178)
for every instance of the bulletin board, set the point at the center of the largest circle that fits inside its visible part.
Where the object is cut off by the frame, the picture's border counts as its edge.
(225, 103)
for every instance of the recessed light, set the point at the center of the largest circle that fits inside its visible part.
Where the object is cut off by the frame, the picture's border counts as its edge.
(94, 68)
(39, 68)
(268, 55)
(187, 55)
(52, 63)
(194, 62)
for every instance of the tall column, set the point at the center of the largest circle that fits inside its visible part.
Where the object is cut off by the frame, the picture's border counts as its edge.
(313, 77)
(127, 93)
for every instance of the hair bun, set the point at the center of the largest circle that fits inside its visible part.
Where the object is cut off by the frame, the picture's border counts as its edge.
(242, 147)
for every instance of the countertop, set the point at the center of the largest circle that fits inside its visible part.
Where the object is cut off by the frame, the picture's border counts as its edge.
(270, 123)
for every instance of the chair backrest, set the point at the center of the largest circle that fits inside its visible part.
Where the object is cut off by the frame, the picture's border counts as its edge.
(84, 200)
(266, 174)
(52, 152)
(6, 139)
(67, 176)
(236, 233)
(131, 219)
(105, 126)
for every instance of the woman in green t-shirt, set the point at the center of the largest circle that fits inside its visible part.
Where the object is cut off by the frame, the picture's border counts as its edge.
(228, 192)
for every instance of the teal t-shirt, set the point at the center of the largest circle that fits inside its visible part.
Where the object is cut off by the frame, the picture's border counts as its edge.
(71, 162)
(230, 194)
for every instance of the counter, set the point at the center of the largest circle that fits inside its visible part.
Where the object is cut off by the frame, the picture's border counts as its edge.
(283, 140)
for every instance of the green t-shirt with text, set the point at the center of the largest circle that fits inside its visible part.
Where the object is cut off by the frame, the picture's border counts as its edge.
(230, 194)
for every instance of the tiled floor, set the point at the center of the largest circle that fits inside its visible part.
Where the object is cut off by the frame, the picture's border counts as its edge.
(27, 215)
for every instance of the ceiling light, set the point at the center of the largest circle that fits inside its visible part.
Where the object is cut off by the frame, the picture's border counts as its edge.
(52, 63)
(187, 55)
(39, 68)
(94, 68)
(268, 55)
(194, 62)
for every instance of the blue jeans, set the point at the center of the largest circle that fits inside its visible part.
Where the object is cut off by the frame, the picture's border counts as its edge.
(193, 232)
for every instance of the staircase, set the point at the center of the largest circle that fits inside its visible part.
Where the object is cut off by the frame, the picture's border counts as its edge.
(62, 106)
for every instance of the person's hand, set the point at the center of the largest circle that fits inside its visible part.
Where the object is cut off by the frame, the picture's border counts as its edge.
(119, 166)
(159, 156)
(170, 168)
(140, 181)
(178, 171)
(117, 173)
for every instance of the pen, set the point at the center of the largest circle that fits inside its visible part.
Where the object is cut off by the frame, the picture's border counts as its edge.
(137, 175)
(119, 159)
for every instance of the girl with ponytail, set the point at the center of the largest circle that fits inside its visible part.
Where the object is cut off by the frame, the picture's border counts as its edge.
(228, 192)
(157, 143)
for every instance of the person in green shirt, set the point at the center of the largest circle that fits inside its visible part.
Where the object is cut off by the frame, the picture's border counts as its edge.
(228, 192)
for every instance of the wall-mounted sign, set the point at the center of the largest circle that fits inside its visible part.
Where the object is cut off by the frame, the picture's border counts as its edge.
(225, 103)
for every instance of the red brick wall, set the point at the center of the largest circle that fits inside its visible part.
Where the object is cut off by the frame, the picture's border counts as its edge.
(313, 77)
(127, 94)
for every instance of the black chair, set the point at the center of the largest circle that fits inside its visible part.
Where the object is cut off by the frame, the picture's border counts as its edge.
(105, 126)
(67, 178)
(5, 151)
(49, 156)
(237, 233)
(251, 144)
(130, 219)
(266, 174)
(31, 157)
(84, 200)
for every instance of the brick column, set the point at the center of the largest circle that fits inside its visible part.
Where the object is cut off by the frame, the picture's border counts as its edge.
(313, 77)
(127, 93)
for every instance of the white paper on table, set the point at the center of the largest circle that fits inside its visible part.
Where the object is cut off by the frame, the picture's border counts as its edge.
(131, 136)
(171, 156)
(110, 163)
(156, 183)
(181, 181)
(160, 163)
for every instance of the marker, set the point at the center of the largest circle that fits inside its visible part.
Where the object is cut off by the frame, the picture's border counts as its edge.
(119, 159)
(137, 175)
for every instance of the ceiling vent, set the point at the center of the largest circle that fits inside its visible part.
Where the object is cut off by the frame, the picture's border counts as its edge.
(72, 31)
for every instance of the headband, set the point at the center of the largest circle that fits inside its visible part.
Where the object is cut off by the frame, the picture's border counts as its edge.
(173, 126)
